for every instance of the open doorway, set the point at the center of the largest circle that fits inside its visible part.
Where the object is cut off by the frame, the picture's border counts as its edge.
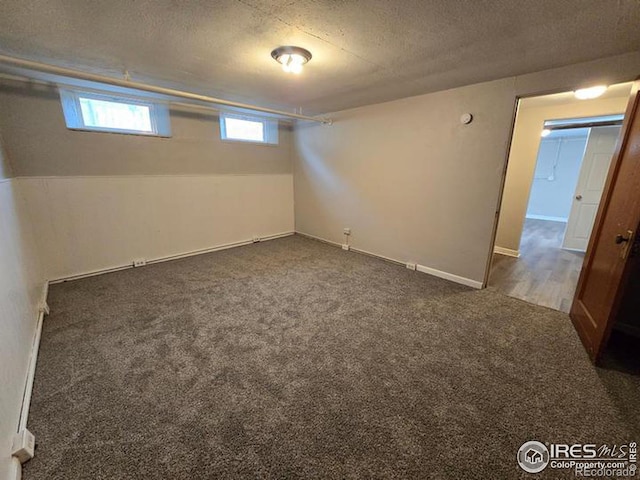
(560, 155)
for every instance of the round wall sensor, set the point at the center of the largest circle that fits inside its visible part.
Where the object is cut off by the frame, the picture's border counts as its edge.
(466, 118)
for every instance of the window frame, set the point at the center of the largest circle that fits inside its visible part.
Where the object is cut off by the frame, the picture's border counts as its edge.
(158, 112)
(269, 126)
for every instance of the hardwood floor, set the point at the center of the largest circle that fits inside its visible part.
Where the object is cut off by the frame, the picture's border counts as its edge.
(545, 274)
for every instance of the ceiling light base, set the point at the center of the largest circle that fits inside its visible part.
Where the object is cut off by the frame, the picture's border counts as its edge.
(291, 58)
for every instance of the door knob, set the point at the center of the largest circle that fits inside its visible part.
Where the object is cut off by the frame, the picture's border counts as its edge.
(621, 238)
(578, 197)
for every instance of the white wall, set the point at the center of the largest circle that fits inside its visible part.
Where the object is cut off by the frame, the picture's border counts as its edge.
(556, 175)
(84, 224)
(21, 287)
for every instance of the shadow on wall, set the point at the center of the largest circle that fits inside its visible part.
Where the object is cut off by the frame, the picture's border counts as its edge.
(556, 174)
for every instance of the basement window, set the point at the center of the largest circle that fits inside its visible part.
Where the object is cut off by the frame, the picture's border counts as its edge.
(112, 113)
(244, 128)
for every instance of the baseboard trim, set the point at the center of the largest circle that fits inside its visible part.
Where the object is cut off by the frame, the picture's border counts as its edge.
(381, 257)
(15, 470)
(420, 268)
(218, 248)
(352, 249)
(319, 239)
(169, 258)
(449, 276)
(548, 218)
(33, 359)
(506, 251)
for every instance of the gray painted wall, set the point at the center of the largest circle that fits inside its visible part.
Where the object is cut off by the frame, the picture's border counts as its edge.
(39, 144)
(5, 167)
(408, 178)
(414, 184)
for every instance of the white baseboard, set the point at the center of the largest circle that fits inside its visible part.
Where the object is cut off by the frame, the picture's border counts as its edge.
(421, 268)
(320, 239)
(547, 217)
(449, 276)
(31, 372)
(170, 257)
(506, 251)
(33, 359)
(15, 470)
(382, 257)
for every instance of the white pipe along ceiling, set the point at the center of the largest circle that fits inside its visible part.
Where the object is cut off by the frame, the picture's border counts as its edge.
(30, 65)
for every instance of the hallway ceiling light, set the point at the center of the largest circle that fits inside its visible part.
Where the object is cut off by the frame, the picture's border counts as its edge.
(591, 92)
(291, 58)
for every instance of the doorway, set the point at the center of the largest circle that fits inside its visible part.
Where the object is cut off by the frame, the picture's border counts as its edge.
(560, 155)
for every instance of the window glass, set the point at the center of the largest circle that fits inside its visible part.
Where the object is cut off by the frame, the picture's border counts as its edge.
(238, 129)
(113, 113)
(244, 128)
(105, 114)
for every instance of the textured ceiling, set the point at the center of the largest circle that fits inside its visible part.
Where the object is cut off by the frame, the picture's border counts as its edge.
(364, 51)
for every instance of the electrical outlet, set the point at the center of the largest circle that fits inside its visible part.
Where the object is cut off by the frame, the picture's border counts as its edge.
(24, 445)
(140, 262)
(411, 266)
(345, 246)
(347, 231)
(256, 239)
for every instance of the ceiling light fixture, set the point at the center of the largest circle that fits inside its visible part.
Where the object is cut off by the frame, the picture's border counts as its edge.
(291, 58)
(591, 92)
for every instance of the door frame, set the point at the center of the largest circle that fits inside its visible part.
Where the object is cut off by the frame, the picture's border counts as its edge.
(503, 179)
(496, 218)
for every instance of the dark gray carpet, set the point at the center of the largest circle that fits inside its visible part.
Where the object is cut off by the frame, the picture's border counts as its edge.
(295, 359)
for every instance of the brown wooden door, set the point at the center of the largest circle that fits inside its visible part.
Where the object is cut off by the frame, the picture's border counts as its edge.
(606, 265)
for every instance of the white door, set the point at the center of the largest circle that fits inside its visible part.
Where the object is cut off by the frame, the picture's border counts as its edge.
(593, 174)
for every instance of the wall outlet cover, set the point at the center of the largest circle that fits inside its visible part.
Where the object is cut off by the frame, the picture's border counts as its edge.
(345, 246)
(140, 262)
(256, 239)
(411, 266)
(347, 231)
